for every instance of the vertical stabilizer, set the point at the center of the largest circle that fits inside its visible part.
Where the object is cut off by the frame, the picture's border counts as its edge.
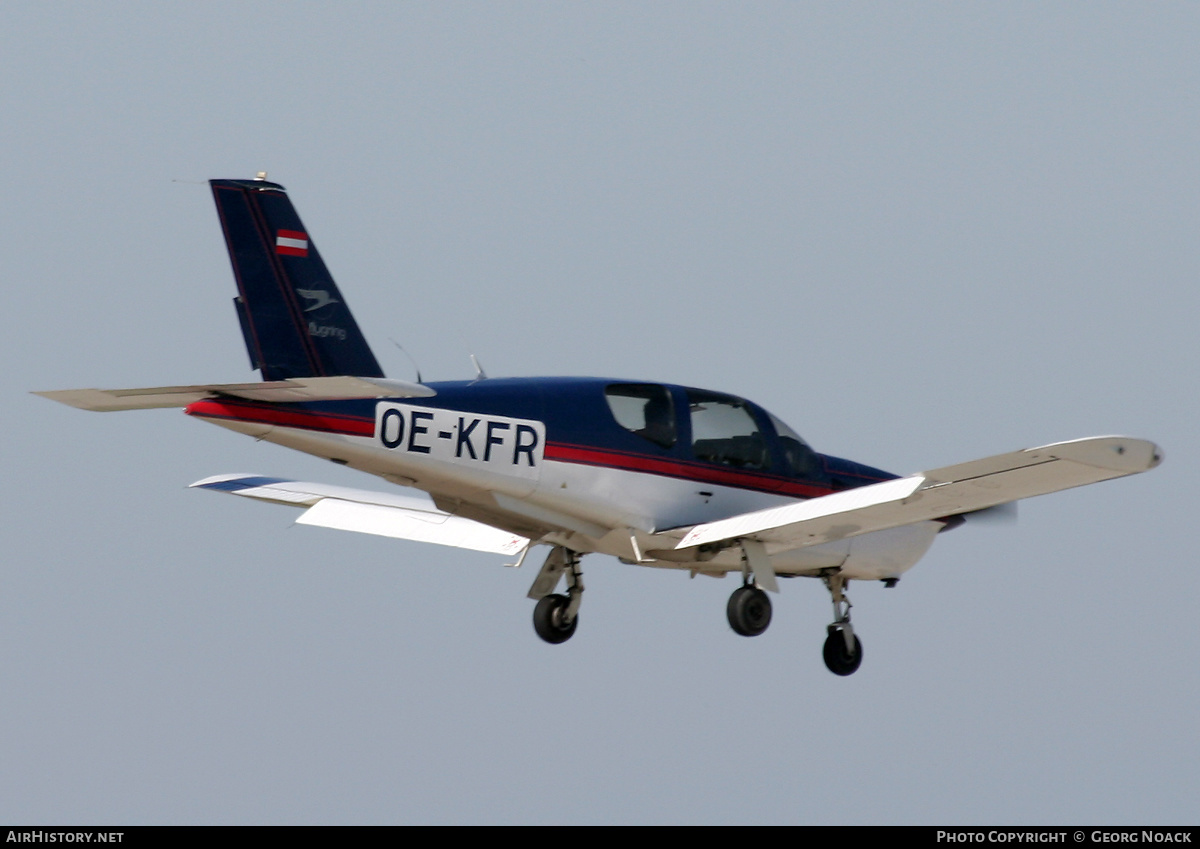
(294, 319)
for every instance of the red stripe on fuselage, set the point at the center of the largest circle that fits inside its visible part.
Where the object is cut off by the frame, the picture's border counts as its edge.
(693, 471)
(249, 411)
(272, 414)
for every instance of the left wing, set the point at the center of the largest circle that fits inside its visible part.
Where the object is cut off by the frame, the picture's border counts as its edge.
(379, 513)
(936, 494)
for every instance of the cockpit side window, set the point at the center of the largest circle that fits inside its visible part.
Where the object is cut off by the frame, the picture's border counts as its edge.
(798, 458)
(645, 409)
(724, 431)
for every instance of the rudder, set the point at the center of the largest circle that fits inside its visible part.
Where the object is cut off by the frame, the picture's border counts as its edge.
(292, 315)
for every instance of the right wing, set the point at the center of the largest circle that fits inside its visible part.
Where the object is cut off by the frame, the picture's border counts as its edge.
(936, 494)
(379, 513)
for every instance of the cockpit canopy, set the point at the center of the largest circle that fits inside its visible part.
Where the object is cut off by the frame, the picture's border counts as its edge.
(711, 427)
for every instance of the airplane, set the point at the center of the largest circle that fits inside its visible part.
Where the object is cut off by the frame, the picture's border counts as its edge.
(653, 474)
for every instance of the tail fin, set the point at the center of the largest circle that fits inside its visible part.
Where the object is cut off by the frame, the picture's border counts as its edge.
(293, 317)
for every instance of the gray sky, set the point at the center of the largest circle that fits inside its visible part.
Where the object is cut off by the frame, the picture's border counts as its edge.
(919, 233)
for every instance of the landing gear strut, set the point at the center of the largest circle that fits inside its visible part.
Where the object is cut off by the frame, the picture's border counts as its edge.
(556, 615)
(843, 649)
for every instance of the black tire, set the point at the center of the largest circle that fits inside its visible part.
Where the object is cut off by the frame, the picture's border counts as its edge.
(749, 611)
(548, 619)
(840, 661)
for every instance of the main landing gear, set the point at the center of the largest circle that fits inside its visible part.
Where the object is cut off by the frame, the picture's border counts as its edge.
(749, 610)
(556, 615)
(843, 649)
(553, 620)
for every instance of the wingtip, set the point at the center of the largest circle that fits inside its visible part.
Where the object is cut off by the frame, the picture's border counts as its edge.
(1123, 454)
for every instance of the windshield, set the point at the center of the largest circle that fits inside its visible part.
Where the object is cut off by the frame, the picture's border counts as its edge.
(798, 457)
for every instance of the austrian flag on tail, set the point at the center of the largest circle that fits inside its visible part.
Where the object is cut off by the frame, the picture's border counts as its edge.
(291, 243)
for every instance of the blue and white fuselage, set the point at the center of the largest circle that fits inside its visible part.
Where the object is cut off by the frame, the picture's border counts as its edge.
(651, 473)
(548, 458)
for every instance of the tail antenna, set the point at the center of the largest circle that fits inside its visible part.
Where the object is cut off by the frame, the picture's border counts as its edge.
(410, 358)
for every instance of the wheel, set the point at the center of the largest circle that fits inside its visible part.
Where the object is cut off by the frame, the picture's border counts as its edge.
(749, 611)
(837, 658)
(549, 619)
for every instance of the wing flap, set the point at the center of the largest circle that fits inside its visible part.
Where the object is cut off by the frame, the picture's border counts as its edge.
(947, 491)
(817, 520)
(413, 525)
(411, 517)
(292, 390)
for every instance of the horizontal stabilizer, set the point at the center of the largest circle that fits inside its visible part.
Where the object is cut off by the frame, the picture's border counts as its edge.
(935, 494)
(292, 390)
(411, 517)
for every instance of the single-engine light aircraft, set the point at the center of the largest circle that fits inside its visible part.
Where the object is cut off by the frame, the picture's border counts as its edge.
(650, 473)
